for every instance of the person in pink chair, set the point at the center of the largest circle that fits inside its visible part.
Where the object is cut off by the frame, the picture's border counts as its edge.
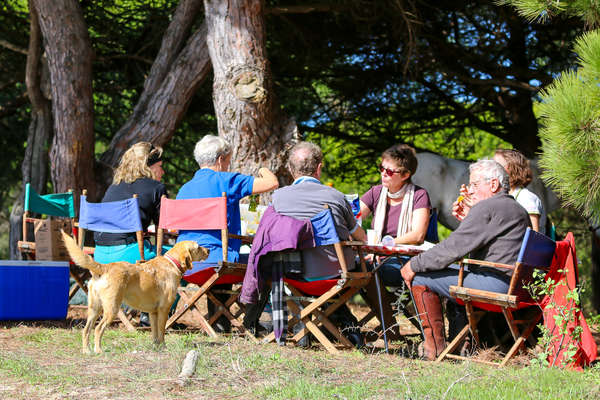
(213, 155)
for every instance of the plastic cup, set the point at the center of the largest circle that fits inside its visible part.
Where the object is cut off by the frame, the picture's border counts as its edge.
(371, 239)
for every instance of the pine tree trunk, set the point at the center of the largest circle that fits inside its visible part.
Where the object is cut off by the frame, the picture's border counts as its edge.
(35, 162)
(247, 112)
(69, 53)
(176, 74)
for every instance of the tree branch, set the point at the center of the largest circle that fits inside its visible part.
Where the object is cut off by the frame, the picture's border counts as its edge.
(304, 9)
(10, 46)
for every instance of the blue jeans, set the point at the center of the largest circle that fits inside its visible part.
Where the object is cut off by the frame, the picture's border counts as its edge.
(389, 271)
(484, 279)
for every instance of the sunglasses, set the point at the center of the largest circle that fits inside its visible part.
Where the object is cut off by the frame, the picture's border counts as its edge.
(389, 172)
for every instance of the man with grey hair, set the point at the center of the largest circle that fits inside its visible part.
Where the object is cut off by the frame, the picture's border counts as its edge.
(305, 198)
(492, 228)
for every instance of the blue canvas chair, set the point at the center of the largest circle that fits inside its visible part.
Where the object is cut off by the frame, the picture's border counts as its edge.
(313, 302)
(537, 251)
(112, 217)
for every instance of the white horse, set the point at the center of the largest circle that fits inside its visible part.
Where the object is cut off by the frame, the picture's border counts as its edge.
(442, 177)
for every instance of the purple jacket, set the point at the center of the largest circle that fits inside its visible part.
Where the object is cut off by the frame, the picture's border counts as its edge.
(275, 232)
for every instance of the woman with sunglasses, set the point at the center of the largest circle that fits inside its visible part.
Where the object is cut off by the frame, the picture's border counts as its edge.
(400, 208)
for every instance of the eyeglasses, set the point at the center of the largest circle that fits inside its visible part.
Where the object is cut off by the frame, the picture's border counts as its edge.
(389, 172)
(476, 183)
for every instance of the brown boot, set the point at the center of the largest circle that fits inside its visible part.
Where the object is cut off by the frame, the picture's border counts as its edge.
(429, 307)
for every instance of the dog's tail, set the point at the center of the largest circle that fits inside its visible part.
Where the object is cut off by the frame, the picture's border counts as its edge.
(80, 258)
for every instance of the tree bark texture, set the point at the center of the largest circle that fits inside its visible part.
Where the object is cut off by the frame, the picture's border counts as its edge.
(69, 53)
(247, 112)
(156, 120)
(175, 75)
(34, 168)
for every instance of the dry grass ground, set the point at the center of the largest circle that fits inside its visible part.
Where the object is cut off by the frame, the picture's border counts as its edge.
(43, 361)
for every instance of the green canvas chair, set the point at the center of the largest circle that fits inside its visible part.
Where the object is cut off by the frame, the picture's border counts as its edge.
(60, 205)
(52, 205)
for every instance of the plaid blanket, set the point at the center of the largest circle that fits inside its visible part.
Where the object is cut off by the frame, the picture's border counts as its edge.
(288, 262)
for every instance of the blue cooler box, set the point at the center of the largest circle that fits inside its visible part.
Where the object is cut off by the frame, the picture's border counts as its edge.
(31, 290)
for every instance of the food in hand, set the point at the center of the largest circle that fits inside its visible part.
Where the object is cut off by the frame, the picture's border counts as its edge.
(460, 198)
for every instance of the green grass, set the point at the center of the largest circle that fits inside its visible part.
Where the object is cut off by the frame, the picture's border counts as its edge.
(44, 362)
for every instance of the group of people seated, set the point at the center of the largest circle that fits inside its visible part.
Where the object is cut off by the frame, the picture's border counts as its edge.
(495, 210)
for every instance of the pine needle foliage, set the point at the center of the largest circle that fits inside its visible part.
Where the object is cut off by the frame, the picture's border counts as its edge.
(542, 10)
(570, 109)
(570, 133)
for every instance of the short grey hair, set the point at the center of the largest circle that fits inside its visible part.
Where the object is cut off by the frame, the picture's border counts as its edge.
(304, 159)
(490, 169)
(209, 149)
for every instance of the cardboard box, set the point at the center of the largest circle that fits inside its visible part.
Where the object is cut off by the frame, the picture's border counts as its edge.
(33, 290)
(48, 240)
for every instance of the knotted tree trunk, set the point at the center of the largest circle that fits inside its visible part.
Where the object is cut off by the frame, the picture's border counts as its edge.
(245, 105)
(177, 72)
(69, 52)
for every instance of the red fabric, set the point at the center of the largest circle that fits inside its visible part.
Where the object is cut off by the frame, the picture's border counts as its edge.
(204, 274)
(565, 273)
(314, 288)
(193, 214)
(495, 308)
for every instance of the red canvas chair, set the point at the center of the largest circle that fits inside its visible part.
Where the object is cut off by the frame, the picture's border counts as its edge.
(572, 344)
(319, 299)
(204, 214)
(537, 251)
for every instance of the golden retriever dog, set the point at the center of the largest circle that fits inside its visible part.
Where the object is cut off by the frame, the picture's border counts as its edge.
(149, 286)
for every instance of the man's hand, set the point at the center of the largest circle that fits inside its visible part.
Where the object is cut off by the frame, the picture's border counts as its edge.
(407, 274)
(462, 205)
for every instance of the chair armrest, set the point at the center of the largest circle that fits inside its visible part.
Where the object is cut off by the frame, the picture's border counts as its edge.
(484, 296)
(487, 263)
(244, 238)
(352, 243)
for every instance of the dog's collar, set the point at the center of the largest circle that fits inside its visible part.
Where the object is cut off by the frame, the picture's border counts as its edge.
(175, 263)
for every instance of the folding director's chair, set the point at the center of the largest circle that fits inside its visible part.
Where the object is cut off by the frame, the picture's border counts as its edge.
(59, 205)
(312, 303)
(112, 217)
(204, 214)
(537, 251)
(53, 205)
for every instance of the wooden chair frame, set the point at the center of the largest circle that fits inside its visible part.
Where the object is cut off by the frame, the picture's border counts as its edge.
(508, 303)
(223, 269)
(314, 315)
(27, 249)
(126, 319)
